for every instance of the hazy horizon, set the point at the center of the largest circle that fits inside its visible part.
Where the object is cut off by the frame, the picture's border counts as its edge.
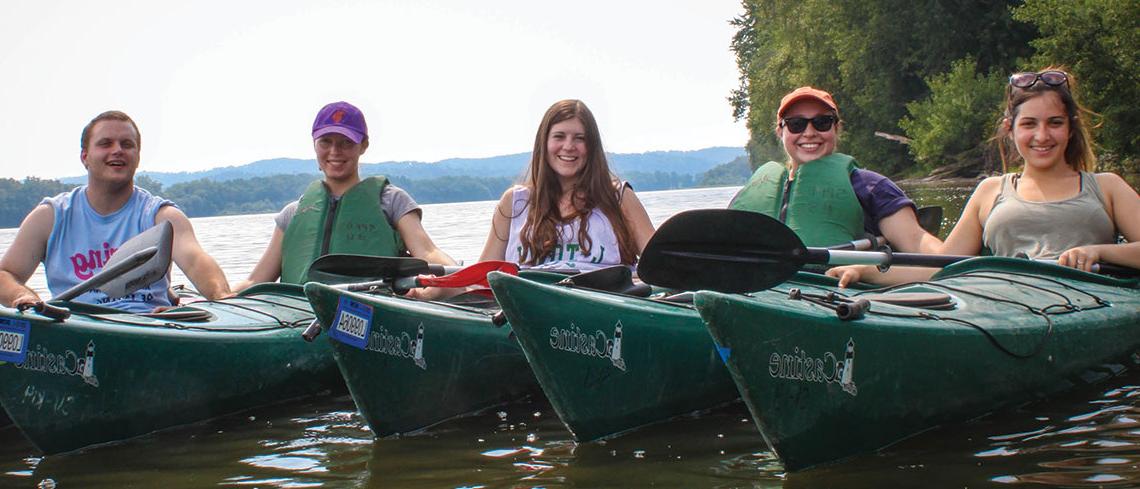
(436, 81)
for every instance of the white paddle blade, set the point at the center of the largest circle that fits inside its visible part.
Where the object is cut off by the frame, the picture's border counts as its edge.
(160, 236)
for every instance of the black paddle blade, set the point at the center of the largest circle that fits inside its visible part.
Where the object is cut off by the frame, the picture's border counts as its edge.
(725, 250)
(344, 268)
(613, 279)
(930, 219)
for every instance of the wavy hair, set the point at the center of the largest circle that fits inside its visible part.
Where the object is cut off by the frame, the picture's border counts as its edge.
(594, 189)
(1079, 152)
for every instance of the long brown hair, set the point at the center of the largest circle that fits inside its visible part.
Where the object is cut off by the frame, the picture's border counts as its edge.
(595, 189)
(1079, 152)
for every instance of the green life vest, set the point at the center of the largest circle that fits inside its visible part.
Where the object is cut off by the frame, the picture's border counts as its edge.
(353, 224)
(822, 208)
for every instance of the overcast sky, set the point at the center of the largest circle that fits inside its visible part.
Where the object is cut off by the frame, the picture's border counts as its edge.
(220, 83)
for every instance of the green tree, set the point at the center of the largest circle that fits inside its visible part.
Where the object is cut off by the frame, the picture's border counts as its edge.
(149, 184)
(871, 55)
(19, 198)
(735, 172)
(960, 113)
(1098, 41)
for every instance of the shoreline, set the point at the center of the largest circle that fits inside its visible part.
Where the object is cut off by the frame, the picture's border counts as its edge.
(939, 181)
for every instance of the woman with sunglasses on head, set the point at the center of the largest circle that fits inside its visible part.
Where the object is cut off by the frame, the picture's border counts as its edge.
(1055, 207)
(570, 212)
(822, 195)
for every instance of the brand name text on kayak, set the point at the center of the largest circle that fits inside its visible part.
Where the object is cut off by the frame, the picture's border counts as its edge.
(401, 345)
(824, 369)
(598, 344)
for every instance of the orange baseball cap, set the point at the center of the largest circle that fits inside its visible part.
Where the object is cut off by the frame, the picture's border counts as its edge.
(806, 93)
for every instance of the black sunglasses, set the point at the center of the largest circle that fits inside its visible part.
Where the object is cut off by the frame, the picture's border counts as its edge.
(1028, 79)
(821, 123)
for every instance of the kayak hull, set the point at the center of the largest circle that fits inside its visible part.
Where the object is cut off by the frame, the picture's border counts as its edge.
(423, 362)
(610, 363)
(821, 389)
(98, 378)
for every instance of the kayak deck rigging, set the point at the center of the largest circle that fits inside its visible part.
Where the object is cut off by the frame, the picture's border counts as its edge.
(837, 301)
(190, 317)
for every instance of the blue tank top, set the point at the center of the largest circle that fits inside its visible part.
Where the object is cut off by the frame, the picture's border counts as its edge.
(82, 240)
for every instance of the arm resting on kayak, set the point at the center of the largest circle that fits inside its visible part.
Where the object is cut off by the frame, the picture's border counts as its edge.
(1123, 207)
(850, 274)
(188, 254)
(905, 234)
(421, 246)
(22, 257)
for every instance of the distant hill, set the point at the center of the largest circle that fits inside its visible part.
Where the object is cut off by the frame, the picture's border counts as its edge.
(680, 162)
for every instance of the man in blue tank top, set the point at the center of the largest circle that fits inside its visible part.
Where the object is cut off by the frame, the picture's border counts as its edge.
(76, 232)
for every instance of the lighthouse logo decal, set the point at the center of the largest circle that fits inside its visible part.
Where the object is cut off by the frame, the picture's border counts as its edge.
(615, 352)
(847, 367)
(418, 351)
(87, 370)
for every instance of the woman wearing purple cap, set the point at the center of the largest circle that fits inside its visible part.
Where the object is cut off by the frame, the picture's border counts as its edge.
(570, 212)
(823, 195)
(343, 213)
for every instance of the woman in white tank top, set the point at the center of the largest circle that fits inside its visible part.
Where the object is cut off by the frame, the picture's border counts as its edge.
(1055, 208)
(570, 212)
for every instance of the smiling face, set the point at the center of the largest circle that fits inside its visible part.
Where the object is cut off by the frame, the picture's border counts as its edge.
(338, 157)
(566, 150)
(112, 153)
(1041, 131)
(811, 144)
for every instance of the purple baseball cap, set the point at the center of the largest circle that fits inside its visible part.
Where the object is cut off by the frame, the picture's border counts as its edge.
(342, 118)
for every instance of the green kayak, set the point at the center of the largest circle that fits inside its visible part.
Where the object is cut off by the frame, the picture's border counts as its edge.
(411, 364)
(103, 375)
(610, 363)
(984, 334)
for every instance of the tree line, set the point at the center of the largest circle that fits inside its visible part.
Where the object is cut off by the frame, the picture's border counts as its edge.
(206, 197)
(934, 72)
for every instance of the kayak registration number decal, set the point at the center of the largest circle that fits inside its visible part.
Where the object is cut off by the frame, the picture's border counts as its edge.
(14, 340)
(352, 323)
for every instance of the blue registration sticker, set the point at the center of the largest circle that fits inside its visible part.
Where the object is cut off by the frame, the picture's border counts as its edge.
(352, 322)
(13, 340)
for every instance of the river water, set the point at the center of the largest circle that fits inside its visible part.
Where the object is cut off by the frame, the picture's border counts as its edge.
(1089, 438)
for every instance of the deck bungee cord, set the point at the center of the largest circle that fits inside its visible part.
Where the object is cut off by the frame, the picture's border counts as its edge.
(113, 318)
(842, 305)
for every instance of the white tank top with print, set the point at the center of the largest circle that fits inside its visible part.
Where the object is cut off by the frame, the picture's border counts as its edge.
(568, 253)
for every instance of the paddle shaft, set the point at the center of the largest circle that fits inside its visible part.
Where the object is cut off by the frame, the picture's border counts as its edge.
(861, 244)
(846, 257)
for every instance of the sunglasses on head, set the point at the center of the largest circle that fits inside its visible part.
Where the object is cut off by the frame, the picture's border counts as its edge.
(1028, 79)
(821, 123)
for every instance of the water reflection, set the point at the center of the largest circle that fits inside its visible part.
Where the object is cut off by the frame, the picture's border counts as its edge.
(951, 196)
(1087, 438)
(324, 443)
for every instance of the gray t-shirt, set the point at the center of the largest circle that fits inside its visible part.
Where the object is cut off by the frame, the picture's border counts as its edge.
(395, 201)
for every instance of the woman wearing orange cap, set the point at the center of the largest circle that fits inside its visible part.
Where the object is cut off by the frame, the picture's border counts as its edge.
(822, 195)
(1055, 208)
